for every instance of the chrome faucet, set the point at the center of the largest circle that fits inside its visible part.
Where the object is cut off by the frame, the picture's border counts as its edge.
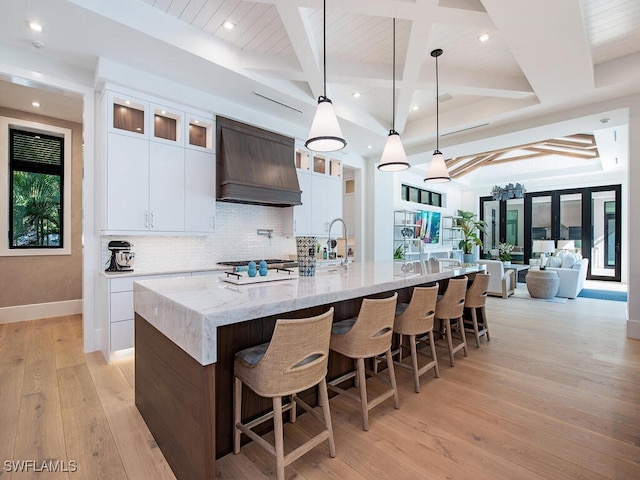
(345, 261)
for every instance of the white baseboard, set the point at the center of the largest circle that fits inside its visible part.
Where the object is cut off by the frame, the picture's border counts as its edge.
(633, 329)
(20, 313)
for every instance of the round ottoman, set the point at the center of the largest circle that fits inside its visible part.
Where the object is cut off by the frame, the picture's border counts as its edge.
(542, 283)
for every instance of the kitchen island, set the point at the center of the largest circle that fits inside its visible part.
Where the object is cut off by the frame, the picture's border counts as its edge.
(187, 331)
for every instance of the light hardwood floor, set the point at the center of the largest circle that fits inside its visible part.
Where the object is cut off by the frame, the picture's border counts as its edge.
(555, 394)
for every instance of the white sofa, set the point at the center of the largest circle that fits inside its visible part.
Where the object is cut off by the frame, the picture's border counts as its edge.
(572, 273)
(502, 283)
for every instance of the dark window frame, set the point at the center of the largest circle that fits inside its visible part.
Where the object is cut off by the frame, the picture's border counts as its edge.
(423, 197)
(38, 168)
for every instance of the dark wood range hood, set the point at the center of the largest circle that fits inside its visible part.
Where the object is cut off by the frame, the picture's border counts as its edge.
(255, 166)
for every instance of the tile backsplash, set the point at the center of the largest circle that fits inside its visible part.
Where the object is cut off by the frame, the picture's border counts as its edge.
(235, 238)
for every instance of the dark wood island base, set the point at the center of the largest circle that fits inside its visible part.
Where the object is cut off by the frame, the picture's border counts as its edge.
(188, 406)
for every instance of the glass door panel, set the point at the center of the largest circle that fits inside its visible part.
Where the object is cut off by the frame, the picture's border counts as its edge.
(570, 235)
(541, 216)
(491, 215)
(515, 229)
(605, 244)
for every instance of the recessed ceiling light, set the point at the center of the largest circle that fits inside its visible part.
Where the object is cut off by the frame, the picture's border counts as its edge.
(35, 26)
(162, 112)
(228, 25)
(484, 37)
(127, 102)
(35, 104)
(356, 94)
(369, 146)
(196, 121)
(416, 107)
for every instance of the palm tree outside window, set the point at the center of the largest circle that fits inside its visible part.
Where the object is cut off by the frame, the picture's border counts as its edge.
(36, 163)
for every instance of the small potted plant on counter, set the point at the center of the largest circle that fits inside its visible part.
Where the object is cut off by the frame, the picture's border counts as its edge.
(470, 227)
(504, 252)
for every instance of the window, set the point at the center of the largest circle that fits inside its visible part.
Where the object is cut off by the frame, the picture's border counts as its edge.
(417, 195)
(36, 180)
(35, 204)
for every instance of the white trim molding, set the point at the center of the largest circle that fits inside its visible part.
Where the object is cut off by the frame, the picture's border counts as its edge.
(21, 313)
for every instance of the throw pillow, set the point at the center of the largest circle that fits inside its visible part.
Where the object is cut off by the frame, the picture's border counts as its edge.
(554, 262)
(568, 261)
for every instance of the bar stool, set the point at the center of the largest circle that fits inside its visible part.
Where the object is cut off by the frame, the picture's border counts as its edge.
(367, 336)
(451, 307)
(416, 321)
(294, 360)
(475, 301)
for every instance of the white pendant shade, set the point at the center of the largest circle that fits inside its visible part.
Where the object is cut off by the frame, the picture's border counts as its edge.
(437, 171)
(394, 159)
(325, 134)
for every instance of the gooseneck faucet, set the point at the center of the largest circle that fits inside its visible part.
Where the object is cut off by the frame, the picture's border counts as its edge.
(345, 261)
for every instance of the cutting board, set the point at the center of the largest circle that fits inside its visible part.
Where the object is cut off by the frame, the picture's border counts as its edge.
(242, 278)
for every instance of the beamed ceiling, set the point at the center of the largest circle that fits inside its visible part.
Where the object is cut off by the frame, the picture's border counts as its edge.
(541, 57)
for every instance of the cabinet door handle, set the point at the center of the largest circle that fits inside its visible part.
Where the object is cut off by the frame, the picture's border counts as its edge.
(151, 219)
(146, 219)
(295, 225)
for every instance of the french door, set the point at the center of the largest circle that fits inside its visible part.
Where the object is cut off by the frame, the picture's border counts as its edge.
(583, 220)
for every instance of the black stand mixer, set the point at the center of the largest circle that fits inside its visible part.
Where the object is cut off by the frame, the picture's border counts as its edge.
(122, 257)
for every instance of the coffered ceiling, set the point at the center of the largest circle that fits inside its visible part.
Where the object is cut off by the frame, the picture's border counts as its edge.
(541, 57)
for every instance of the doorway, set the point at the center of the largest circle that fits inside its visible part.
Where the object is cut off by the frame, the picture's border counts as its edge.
(583, 220)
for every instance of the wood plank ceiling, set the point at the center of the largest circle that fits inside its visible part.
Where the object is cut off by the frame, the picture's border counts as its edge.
(577, 146)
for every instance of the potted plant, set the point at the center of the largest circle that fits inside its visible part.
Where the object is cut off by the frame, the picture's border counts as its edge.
(470, 227)
(504, 252)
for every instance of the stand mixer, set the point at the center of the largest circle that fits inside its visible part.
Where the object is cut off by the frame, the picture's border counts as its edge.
(122, 258)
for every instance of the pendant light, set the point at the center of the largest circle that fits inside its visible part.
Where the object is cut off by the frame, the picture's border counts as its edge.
(394, 159)
(325, 134)
(437, 172)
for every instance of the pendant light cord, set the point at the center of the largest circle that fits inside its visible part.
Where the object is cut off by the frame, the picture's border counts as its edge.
(324, 44)
(437, 109)
(393, 113)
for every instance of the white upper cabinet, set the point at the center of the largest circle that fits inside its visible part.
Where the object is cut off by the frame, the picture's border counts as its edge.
(167, 125)
(159, 165)
(127, 115)
(127, 183)
(320, 179)
(199, 191)
(166, 188)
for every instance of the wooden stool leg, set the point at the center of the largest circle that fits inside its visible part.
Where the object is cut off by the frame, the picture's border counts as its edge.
(432, 344)
(278, 431)
(392, 378)
(293, 416)
(414, 363)
(400, 347)
(474, 318)
(324, 401)
(463, 336)
(237, 414)
(447, 323)
(360, 375)
(486, 324)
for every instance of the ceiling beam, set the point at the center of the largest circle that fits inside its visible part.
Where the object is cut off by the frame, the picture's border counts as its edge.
(549, 43)
(300, 35)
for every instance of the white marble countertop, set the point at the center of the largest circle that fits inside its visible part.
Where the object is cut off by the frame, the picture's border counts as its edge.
(175, 270)
(188, 310)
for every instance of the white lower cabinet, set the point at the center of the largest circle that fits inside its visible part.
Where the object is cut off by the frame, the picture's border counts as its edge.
(120, 305)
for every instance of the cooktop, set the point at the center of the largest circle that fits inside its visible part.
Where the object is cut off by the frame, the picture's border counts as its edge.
(271, 263)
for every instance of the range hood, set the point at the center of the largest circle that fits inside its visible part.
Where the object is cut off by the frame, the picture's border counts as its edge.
(255, 166)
